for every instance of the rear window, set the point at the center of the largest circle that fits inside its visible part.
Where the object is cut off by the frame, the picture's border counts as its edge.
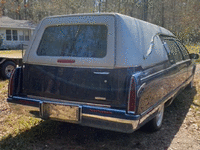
(74, 41)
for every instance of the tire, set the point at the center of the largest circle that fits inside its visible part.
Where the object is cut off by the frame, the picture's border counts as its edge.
(156, 123)
(7, 68)
(190, 85)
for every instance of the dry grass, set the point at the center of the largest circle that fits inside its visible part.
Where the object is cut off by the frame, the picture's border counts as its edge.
(193, 48)
(14, 120)
(3, 84)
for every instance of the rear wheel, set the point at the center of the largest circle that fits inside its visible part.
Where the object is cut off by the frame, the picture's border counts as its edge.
(191, 84)
(7, 68)
(156, 123)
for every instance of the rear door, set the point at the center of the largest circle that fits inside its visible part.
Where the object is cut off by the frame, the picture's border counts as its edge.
(179, 65)
(186, 58)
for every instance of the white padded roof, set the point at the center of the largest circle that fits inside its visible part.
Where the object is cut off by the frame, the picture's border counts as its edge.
(132, 37)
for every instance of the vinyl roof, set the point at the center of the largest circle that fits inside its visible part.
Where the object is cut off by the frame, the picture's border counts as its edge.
(7, 22)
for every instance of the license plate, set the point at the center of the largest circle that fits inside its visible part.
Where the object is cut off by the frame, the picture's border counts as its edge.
(61, 112)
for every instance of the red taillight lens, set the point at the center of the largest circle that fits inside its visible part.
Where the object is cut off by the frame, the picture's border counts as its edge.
(11, 84)
(132, 96)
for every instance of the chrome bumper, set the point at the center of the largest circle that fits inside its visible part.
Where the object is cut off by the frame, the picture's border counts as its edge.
(109, 123)
(93, 116)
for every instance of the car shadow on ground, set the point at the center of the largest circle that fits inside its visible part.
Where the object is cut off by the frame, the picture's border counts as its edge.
(50, 135)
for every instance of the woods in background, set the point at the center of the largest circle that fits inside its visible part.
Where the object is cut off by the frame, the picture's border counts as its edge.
(182, 17)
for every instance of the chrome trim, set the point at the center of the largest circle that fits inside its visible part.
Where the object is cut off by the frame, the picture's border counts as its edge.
(100, 98)
(67, 101)
(131, 112)
(134, 123)
(101, 73)
(176, 64)
(153, 74)
(140, 88)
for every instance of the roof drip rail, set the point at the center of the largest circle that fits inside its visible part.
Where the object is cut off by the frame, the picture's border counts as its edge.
(149, 51)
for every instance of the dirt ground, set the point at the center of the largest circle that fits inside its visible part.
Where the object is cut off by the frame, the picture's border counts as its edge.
(180, 130)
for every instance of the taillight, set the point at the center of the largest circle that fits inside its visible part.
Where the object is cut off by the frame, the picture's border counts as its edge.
(11, 84)
(132, 96)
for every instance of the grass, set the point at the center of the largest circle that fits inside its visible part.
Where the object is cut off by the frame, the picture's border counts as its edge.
(193, 48)
(3, 84)
(24, 131)
(4, 88)
(16, 122)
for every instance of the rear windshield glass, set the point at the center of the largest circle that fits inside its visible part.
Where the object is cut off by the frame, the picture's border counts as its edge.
(74, 41)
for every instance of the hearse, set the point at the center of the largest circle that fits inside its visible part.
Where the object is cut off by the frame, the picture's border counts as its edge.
(107, 71)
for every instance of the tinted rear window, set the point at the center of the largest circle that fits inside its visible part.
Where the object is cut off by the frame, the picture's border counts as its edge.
(74, 41)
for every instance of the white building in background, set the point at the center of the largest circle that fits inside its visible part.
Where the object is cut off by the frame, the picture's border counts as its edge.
(14, 33)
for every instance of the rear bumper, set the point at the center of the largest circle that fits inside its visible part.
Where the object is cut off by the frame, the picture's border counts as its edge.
(93, 116)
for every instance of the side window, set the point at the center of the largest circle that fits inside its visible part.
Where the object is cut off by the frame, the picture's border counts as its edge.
(11, 35)
(170, 56)
(183, 50)
(14, 34)
(8, 35)
(174, 50)
(24, 36)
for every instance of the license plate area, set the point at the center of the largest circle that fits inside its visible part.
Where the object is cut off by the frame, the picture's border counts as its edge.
(61, 112)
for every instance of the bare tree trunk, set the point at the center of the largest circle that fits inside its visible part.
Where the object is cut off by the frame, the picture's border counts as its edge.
(163, 14)
(119, 7)
(106, 5)
(173, 16)
(18, 9)
(145, 10)
(125, 8)
(132, 9)
(25, 16)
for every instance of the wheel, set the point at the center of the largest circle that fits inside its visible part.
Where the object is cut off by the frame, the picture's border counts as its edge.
(156, 123)
(7, 68)
(190, 85)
